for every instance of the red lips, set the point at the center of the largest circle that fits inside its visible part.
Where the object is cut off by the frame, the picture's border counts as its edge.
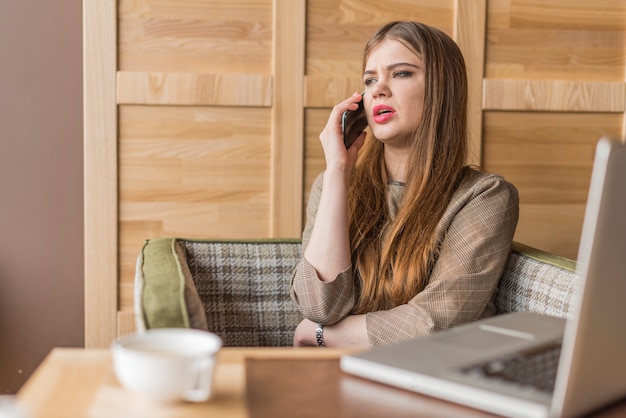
(382, 113)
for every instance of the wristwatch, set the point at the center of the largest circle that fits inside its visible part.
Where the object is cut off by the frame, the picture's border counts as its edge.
(319, 335)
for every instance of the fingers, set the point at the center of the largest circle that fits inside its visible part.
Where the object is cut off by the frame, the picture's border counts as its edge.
(331, 137)
(351, 103)
(333, 125)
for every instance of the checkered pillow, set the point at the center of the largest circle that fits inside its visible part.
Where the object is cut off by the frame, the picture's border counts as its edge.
(244, 287)
(539, 282)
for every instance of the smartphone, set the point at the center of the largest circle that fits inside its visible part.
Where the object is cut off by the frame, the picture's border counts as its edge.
(353, 122)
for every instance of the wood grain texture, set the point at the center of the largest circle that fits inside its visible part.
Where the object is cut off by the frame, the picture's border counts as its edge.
(274, 386)
(324, 91)
(287, 119)
(194, 89)
(548, 157)
(314, 161)
(469, 33)
(204, 36)
(191, 172)
(100, 172)
(338, 30)
(556, 39)
(553, 227)
(73, 382)
(554, 95)
(249, 382)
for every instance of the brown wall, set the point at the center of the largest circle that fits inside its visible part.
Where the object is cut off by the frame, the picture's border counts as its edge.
(41, 191)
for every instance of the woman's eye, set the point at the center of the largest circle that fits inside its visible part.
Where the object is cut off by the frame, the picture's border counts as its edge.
(369, 81)
(402, 74)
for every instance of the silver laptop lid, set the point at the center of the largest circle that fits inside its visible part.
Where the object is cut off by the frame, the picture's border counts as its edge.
(595, 339)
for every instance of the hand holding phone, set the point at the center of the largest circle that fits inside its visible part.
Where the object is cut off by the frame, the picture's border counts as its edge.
(353, 122)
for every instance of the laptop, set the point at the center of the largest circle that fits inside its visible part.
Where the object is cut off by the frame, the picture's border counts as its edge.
(471, 364)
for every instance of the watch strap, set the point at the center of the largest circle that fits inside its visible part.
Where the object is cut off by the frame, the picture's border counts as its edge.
(319, 335)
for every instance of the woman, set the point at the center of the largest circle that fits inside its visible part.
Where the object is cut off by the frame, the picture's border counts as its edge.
(407, 240)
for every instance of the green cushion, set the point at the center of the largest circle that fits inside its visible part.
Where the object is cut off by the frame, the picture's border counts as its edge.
(545, 257)
(166, 295)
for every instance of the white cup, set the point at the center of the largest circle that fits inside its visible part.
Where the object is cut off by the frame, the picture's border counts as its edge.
(167, 364)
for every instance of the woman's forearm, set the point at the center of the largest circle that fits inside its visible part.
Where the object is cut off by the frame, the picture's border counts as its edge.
(328, 249)
(350, 332)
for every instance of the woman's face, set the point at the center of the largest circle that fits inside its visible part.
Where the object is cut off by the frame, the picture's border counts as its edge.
(394, 93)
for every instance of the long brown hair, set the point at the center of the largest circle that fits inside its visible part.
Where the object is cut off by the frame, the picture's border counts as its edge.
(393, 257)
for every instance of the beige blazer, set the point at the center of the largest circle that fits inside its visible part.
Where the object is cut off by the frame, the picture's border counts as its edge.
(476, 233)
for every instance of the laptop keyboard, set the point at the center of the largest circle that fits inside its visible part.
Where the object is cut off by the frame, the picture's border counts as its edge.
(530, 369)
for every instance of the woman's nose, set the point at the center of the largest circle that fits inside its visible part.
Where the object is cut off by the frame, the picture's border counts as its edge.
(381, 88)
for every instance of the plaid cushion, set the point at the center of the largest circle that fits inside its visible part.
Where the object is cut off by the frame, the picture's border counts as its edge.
(537, 281)
(244, 286)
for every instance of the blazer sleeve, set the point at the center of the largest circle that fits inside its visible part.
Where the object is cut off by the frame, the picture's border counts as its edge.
(477, 231)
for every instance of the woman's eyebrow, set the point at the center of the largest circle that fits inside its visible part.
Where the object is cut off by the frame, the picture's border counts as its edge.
(393, 66)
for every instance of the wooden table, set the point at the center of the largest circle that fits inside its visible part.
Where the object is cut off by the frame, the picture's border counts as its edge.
(250, 382)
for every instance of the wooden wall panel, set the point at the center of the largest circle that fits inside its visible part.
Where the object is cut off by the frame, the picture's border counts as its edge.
(100, 172)
(338, 30)
(287, 118)
(194, 89)
(469, 33)
(549, 157)
(192, 172)
(200, 36)
(557, 69)
(554, 95)
(314, 163)
(556, 39)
